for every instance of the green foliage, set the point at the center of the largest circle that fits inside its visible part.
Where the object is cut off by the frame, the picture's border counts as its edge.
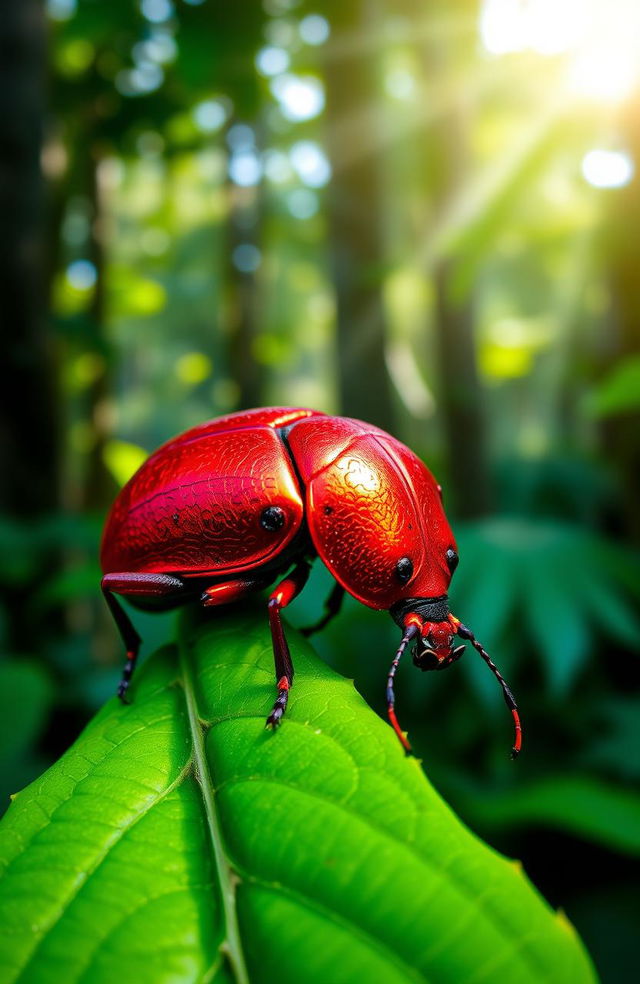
(26, 697)
(619, 392)
(611, 751)
(587, 807)
(459, 156)
(559, 581)
(180, 840)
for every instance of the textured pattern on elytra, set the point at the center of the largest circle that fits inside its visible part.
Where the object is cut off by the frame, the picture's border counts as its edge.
(195, 507)
(437, 536)
(372, 506)
(260, 417)
(316, 443)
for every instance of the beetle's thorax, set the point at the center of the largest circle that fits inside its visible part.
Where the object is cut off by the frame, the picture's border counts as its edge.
(427, 610)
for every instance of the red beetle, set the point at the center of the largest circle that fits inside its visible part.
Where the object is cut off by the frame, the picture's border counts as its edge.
(227, 507)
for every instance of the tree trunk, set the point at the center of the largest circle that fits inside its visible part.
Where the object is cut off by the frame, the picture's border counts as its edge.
(28, 370)
(356, 219)
(241, 307)
(459, 393)
(99, 487)
(620, 432)
(28, 431)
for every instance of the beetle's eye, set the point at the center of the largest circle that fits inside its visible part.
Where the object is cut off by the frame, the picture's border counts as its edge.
(452, 559)
(404, 570)
(272, 518)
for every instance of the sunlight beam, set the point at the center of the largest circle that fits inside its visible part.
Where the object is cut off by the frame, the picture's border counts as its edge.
(599, 42)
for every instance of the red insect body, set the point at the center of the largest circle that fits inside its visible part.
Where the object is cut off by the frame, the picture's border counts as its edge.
(194, 506)
(370, 501)
(226, 507)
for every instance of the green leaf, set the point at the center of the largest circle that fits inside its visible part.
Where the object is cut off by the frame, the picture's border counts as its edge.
(619, 392)
(614, 748)
(488, 601)
(560, 579)
(550, 601)
(177, 840)
(590, 808)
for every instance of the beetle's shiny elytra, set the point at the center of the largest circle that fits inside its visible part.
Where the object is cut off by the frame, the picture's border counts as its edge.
(232, 504)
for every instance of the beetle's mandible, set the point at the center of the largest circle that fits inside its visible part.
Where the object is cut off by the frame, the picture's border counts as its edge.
(235, 503)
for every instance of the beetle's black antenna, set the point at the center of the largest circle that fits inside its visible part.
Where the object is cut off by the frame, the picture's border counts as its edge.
(410, 633)
(509, 699)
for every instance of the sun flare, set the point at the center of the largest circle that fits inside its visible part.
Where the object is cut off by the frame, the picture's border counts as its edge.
(601, 42)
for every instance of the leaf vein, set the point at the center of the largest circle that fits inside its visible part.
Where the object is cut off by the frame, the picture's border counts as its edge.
(119, 833)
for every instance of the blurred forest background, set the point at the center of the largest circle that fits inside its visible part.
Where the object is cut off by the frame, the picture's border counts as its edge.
(423, 214)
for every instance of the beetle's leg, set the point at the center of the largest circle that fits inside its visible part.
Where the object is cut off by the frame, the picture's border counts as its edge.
(332, 605)
(279, 599)
(147, 586)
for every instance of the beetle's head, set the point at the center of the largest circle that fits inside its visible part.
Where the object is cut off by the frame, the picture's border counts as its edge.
(434, 649)
(432, 627)
(428, 624)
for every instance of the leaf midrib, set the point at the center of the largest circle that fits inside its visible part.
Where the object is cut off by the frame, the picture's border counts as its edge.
(232, 944)
(477, 903)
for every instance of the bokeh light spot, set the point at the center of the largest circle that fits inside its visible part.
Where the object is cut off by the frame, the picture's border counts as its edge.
(400, 84)
(85, 370)
(193, 368)
(302, 203)
(606, 76)
(499, 362)
(245, 168)
(61, 10)
(277, 167)
(156, 11)
(314, 29)
(281, 32)
(144, 78)
(81, 275)
(246, 258)
(209, 115)
(300, 97)
(310, 163)
(160, 48)
(275, 8)
(607, 168)
(272, 61)
(271, 350)
(123, 459)
(600, 42)
(75, 57)
(145, 297)
(241, 137)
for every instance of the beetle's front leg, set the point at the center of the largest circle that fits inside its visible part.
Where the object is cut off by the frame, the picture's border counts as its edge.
(279, 599)
(144, 586)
